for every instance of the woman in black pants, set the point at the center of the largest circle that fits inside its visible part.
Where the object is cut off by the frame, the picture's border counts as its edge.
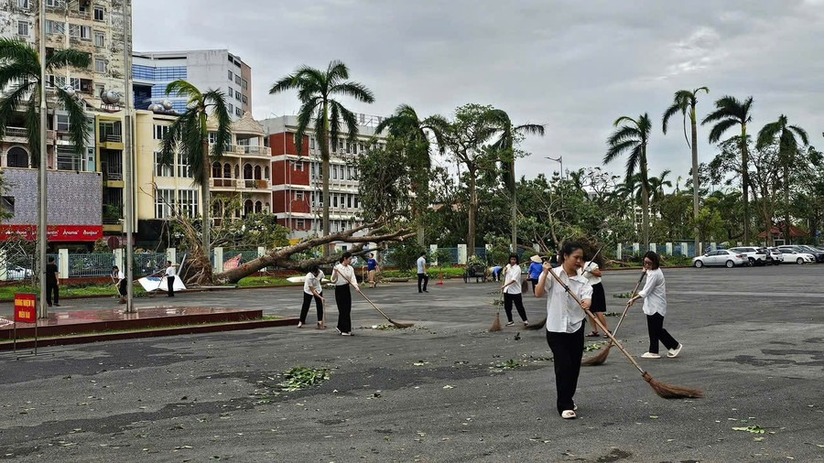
(655, 307)
(343, 275)
(565, 323)
(313, 290)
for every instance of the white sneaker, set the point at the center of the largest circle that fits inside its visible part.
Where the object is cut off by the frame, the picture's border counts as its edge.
(568, 415)
(650, 355)
(671, 353)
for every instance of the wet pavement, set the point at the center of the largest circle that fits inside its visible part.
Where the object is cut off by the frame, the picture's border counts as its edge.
(445, 390)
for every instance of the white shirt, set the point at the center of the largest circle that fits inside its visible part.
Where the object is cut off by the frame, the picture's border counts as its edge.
(311, 281)
(564, 315)
(170, 271)
(120, 275)
(587, 272)
(420, 263)
(654, 293)
(513, 274)
(340, 272)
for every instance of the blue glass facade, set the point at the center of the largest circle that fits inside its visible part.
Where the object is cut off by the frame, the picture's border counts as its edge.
(160, 77)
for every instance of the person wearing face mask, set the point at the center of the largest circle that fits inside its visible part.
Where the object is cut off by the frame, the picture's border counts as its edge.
(565, 322)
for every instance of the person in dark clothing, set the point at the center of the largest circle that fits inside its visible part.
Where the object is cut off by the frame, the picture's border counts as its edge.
(52, 285)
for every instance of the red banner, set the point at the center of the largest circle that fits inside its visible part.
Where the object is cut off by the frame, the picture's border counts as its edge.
(65, 233)
(25, 310)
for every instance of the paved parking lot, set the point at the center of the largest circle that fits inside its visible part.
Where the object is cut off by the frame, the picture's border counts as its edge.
(444, 390)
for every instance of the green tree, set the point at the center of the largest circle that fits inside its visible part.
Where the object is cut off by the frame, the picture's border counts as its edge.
(316, 91)
(684, 101)
(189, 136)
(633, 138)
(731, 112)
(788, 155)
(20, 76)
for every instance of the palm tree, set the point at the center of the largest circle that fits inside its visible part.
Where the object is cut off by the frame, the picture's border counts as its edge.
(189, 135)
(788, 151)
(20, 72)
(505, 144)
(633, 137)
(684, 101)
(730, 112)
(405, 124)
(316, 90)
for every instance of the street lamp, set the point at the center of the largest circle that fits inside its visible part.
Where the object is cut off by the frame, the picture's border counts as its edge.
(561, 165)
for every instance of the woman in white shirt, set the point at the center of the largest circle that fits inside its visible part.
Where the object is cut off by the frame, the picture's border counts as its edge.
(313, 290)
(565, 322)
(598, 307)
(512, 291)
(170, 279)
(343, 275)
(655, 307)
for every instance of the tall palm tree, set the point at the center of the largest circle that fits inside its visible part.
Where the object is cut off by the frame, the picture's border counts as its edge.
(189, 135)
(632, 138)
(788, 153)
(731, 112)
(405, 124)
(316, 90)
(20, 71)
(684, 101)
(505, 143)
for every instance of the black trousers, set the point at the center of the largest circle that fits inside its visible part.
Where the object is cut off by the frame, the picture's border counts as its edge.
(52, 293)
(319, 307)
(535, 282)
(170, 286)
(656, 333)
(343, 299)
(509, 299)
(568, 349)
(425, 278)
(121, 288)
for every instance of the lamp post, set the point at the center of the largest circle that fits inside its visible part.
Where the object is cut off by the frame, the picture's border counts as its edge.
(561, 165)
(128, 193)
(42, 233)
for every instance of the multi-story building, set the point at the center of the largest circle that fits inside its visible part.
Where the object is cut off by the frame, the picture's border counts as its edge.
(98, 27)
(205, 69)
(241, 178)
(297, 199)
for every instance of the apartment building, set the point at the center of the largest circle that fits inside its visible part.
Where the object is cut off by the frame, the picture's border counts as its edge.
(240, 183)
(205, 69)
(92, 178)
(297, 199)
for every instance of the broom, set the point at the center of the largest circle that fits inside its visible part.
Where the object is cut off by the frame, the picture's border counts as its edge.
(497, 322)
(663, 390)
(601, 357)
(396, 324)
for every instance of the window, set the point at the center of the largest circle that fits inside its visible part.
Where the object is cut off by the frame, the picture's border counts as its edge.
(23, 4)
(237, 79)
(23, 28)
(237, 95)
(53, 3)
(188, 203)
(230, 108)
(68, 159)
(244, 84)
(164, 201)
(55, 27)
(161, 170)
(229, 73)
(238, 112)
(161, 131)
(85, 33)
(98, 13)
(100, 65)
(335, 172)
(299, 196)
(184, 170)
(300, 224)
(100, 39)
(63, 124)
(311, 142)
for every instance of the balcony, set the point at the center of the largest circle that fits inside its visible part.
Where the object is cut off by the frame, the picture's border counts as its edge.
(247, 151)
(257, 150)
(238, 184)
(19, 135)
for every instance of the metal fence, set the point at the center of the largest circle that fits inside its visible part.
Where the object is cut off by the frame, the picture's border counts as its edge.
(89, 265)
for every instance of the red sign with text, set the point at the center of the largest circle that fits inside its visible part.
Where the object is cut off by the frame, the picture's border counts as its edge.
(25, 308)
(55, 232)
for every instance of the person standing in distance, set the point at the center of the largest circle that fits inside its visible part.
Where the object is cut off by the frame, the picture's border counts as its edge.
(52, 285)
(343, 275)
(512, 291)
(534, 271)
(565, 322)
(372, 270)
(170, 279)
(655, 307)
(421, 268)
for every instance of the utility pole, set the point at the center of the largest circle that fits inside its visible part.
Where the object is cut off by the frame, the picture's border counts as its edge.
(128, 184)
(42, 232)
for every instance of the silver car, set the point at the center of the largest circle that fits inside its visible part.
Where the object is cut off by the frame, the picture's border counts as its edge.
(721, 257)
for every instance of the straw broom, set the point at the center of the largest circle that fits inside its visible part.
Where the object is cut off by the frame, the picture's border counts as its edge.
(396, 324)
(601, 357)
(663, 390)
(497, 322)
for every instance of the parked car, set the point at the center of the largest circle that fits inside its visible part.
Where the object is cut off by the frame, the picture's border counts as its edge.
(819, 256)
(16, 272)
(790, 256)
(774, 255)
(756, 256)
(721, 257)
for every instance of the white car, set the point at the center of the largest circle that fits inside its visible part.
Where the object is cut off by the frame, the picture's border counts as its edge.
(16, 272)
(790, 256)
(756, 256)
(721, 257)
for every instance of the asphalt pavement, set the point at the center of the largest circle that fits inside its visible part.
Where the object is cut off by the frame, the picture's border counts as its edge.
(446, 390)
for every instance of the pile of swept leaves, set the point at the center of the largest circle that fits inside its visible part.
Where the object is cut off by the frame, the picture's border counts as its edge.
(299, 378)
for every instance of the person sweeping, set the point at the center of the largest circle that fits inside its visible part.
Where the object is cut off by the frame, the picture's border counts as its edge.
(343, 275)
(313, 290)
(565, 322)
(655, 306)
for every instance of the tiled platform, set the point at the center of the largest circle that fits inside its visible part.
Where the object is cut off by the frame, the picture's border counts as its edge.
(79, 326)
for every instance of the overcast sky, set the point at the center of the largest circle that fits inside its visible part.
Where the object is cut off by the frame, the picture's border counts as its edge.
(574, 65)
